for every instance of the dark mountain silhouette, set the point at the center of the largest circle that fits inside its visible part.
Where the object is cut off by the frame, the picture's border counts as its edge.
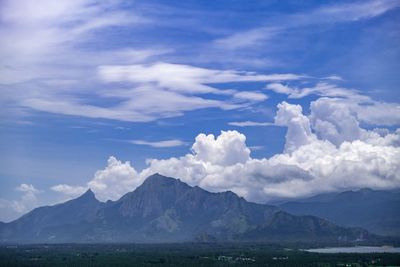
(165, 209)
(61, 222)
(376, 211)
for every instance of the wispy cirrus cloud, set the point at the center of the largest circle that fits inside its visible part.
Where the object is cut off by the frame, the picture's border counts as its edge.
(71, 191)
(37, 35)
(185, 78)
(160, 90)
(159, 144)
(320, 89)
(250, 123)
(336, 13)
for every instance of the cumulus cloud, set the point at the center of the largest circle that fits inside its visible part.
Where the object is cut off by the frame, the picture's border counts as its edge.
(311, 163)
(10, 209)
(227, 149)
(298, 126)
(378, 113)
(116, 179)
(325, 151)
(338, 120)
(307, 168)
(351, 165)
(359, 107)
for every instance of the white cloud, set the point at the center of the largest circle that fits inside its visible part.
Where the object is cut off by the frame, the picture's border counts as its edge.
(338, 120)
(247, 38)
(358, 107)
(309, 165)
(115, 180)
(11, 209)
(75, 108)
(54, 71)
(71, 191)
(333, 121)
(250, 123)
(54, 31)
(27, 188)
(354, 11)
(320, 89)
(352, 165)
(338, 13)
(159, 90)
(280, 88)
(163, 143)
(140, 104)
(298, 126)
(227, 149)
(184, 78)
(251, 96)
(378, 113)
(334, 78)
(324, 151)
(162, 90)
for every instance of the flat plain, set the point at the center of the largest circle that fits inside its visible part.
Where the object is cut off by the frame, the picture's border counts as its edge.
(183, 254)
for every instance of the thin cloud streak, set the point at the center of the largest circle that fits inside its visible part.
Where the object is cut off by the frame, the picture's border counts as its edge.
(250, 123)
(159, 144)
(340, 13)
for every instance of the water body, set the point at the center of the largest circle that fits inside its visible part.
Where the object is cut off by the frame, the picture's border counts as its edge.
(360, 249)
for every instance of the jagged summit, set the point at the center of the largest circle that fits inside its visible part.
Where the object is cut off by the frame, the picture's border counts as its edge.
(88, 195)
(160, 184)
(160, 179)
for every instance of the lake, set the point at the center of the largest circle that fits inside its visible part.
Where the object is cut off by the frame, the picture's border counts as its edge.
(360, 249)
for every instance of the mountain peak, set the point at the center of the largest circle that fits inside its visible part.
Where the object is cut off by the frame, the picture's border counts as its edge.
(88, 195)
(159, 179)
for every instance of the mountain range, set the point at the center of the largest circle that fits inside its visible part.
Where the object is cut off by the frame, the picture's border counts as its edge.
(165, 209)
(377, 211)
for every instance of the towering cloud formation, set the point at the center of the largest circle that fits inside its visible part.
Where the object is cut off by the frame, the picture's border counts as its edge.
(115, 180)
(299, 130)
(325, 151)
(227, 149)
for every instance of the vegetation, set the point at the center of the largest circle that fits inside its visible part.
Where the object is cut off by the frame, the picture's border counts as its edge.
(184, 254)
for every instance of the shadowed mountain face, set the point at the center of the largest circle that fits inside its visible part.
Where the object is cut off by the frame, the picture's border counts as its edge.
(376, 211)
(164, 209)
(54, 222)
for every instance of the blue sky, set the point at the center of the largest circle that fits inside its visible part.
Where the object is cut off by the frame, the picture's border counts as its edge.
(140, 80)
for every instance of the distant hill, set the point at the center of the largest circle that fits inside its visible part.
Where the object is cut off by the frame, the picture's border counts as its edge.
(376, 211)
(165, 209)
